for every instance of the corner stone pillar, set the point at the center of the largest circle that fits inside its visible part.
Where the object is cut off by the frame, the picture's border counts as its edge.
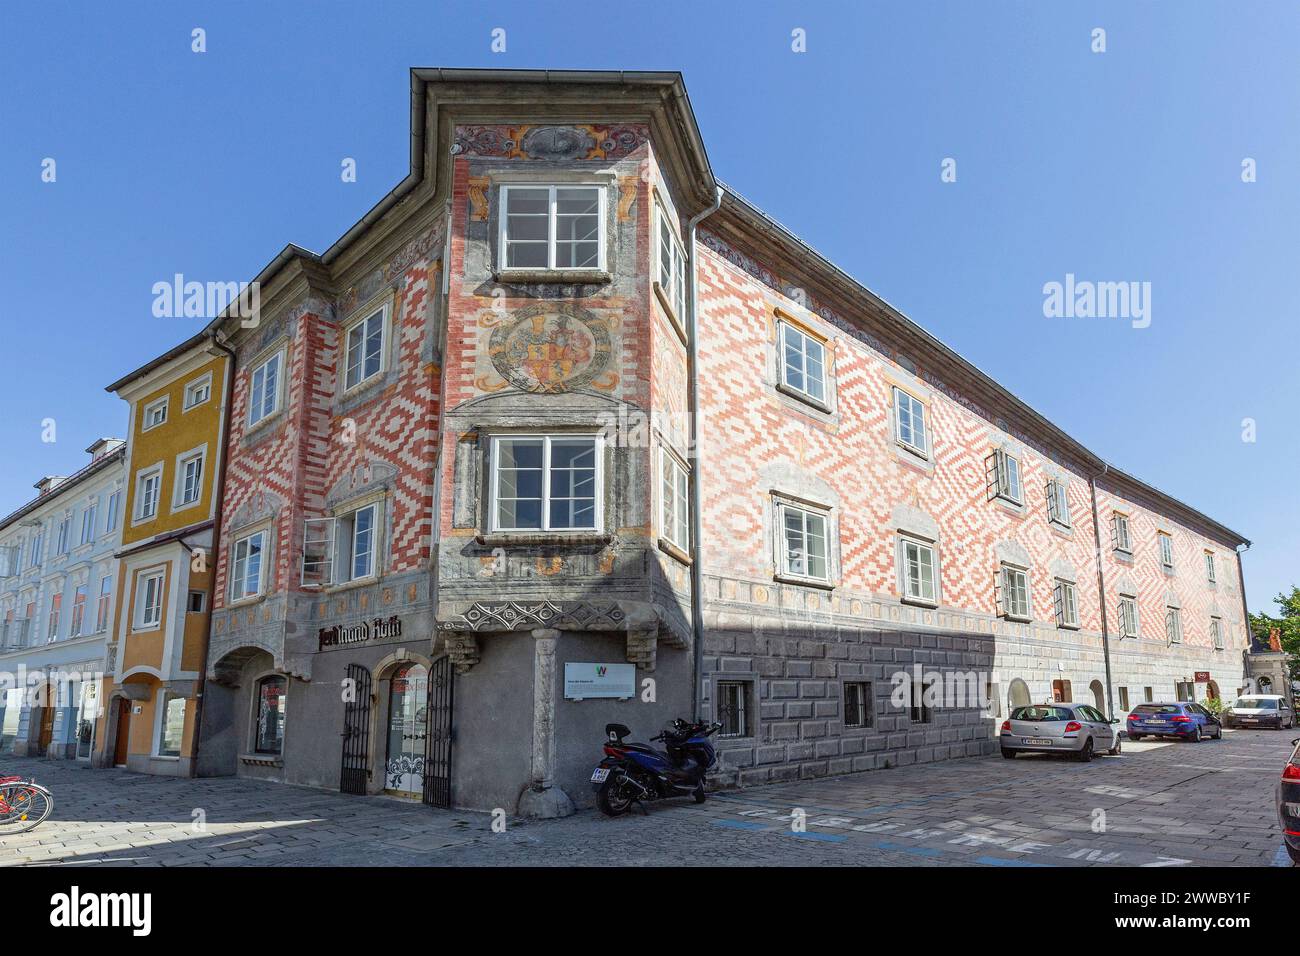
(543, 800)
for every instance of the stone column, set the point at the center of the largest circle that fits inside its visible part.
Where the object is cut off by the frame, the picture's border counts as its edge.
(542, 799)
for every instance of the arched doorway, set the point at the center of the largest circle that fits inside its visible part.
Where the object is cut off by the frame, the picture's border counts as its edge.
(1098, 695)
(408, 727)
(1018, 694)
(1061, 691)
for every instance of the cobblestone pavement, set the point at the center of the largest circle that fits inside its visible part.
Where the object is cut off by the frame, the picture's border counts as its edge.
(1158, 804)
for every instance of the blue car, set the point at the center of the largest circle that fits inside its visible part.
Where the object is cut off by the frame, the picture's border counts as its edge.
(1184, 719)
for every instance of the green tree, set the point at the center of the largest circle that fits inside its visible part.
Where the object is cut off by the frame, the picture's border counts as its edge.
(1287, 623)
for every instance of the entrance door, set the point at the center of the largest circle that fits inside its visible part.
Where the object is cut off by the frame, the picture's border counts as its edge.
(408, 728)
(123, 732)
(356, 731)
(47, 727)
(1061, 691)
(437, 752)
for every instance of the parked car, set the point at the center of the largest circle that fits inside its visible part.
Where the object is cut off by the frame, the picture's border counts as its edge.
(1288, 803)
(1260, 710)
(1183, 719)
(1077, 730)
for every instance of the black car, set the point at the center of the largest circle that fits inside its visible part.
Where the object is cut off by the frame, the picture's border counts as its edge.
(1288, 803)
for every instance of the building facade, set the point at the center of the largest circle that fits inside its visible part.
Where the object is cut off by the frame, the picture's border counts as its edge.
(156, 650)
(56, 604)
(564, 433)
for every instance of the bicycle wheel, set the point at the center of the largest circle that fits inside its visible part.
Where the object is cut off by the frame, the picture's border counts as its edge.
(23, 806)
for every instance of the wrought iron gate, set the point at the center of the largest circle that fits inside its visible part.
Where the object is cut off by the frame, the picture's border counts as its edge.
(356, 733)
(437, 744)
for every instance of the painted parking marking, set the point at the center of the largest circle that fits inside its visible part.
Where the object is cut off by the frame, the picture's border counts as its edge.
(739, 825)
(824, 837)
(998, 861)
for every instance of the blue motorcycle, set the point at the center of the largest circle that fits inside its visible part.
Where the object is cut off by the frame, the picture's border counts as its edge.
(635, 773)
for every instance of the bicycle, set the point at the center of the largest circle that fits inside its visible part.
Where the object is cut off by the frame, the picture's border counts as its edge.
(24, 804)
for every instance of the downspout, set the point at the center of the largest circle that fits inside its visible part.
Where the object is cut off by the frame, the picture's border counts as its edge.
(1250, 634)
(693, 410)
(1101, 589)
(219, 497)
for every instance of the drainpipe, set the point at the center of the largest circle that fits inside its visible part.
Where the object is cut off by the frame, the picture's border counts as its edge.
(693, 410)
(1101, 589)
(1250, 635)
(219, 494)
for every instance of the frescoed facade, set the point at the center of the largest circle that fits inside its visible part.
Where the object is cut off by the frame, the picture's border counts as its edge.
(164, 571)
(57, 598)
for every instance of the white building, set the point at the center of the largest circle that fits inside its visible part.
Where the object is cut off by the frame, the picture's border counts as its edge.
(56, 606)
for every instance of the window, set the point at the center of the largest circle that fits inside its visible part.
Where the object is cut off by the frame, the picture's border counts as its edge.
(78, 611)
(1147, 693)
(1058, 503)
(805, 551)
(365, 349)
(546, 483)
(1067, 604)
(733, 712)
(189, 480)
(909, 422)
(172, 729)
(268, 733)
(56, 608)
(65, 531)
(114, 502)
(1123, 699)
(146, 493)
(196, 602)
(88, 521)
(859, 709)
(672, 265)
(921, 711)
(1173, 625)
(552, 227)
(264, 389)
(1166, 549)
(155, 413)
(1184, 690)
(197, 392)
(918, 571)
(37, 548)
(340, 548)
(1006, 476)
(105, 600)
(148, 601)
(1209, 567)
(1216, 633)
(1128, 616)
(803, 362)
(246, 574)
(1015, 593)
(1119, 533)
(675, 505)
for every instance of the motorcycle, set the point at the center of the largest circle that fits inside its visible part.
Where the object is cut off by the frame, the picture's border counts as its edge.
(632, 773)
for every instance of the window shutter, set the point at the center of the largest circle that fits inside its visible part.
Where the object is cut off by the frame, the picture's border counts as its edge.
(1058, 597)
(1114, 531)
(1053, 512)
(999, 592)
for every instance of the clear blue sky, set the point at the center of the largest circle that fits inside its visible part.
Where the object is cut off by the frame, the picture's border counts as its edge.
(1124, 165)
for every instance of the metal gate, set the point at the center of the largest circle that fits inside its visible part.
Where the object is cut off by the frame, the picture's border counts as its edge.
(437, 744)
(356, 733)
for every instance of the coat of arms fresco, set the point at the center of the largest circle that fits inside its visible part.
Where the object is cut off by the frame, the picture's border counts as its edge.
(555, 347)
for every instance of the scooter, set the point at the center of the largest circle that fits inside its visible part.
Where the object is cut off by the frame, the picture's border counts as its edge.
(633, 773)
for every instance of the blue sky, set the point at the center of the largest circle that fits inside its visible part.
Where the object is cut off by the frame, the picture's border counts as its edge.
(1115, 166)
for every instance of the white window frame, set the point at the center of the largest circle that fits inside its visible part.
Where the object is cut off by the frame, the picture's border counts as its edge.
(141, 619)
(111, 510)
(1006, 574)
(104, 604)
(1128, 615)
(551, 234)
(37, 547)
(240, 579)
(362, 321)
(63, 540)
(916, 594)
(806, 340)
(1173, 624)
(670, 275)
(192, 389)
(77, 620)
(154, 471)
(89, 518)
(674, 501)
(337, 566)
(1211, 573)
(1121, 532)
(1065, 595)
(199, 454)
(784, 561)
(257, 411)
(1058, 502)
(598, 444)
(147, 414)
(163, 699)
(1166, 542)
(1216, 632)
(1006, 467)
(905, 399)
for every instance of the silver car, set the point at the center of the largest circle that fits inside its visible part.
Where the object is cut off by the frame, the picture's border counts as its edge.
(1078, 730)
(1260, 710)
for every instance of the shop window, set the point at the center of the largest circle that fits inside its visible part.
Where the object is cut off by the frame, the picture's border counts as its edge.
(268, 732)
(172, 729)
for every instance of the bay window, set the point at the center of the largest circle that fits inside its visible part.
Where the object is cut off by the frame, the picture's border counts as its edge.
(552, 227)
(340, 548)
(365, 349)
(246, 566)
(264, 389)
(546, 483)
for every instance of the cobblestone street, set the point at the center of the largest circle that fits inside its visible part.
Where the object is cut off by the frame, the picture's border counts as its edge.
(1158, 804)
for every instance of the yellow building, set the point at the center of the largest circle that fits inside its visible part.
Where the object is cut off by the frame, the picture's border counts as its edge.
(158, 644)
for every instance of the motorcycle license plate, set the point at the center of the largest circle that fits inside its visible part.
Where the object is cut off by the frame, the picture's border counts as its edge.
(599, 774)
